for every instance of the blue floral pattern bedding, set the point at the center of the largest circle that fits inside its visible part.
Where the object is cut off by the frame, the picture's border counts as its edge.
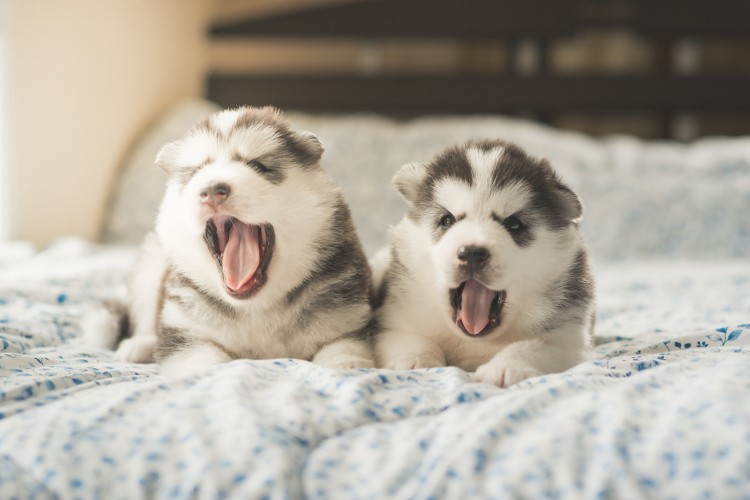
(662, 411)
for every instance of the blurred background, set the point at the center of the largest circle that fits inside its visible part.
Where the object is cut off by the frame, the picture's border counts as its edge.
(82, 80)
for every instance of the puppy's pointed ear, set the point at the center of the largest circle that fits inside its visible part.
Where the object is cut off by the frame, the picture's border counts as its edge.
(571, 207)
(571, 204)
(166, 158)
(308, 145)
(408, 179)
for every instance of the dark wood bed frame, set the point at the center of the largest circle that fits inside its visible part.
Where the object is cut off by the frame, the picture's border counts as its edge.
(541, 94)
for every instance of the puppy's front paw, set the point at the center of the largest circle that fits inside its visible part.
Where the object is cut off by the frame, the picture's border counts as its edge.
(192, 360)
(504, 373)
(413, 362)
(137, 350)
(346, 362)
(345, 354)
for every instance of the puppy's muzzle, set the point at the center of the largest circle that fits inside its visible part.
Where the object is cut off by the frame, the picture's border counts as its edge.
(473, 258)
(215, 194)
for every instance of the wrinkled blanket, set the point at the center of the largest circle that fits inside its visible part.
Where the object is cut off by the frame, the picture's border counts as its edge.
(663, 410)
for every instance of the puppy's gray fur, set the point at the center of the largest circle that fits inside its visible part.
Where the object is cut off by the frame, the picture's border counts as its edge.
(488, 270)
(253, 254)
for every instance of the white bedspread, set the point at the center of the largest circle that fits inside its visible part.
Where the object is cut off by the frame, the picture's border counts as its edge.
(662, 412)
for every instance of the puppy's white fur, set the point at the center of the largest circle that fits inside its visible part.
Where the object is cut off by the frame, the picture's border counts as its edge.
(181, 311)
(417, 318)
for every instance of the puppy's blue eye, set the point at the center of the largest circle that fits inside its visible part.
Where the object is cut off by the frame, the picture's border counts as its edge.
(447, 220)
(513, 224)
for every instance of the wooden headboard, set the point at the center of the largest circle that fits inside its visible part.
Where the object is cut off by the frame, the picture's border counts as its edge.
(528, 28)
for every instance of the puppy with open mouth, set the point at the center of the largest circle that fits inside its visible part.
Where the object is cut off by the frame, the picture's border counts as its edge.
(253, 254)
(488, 271)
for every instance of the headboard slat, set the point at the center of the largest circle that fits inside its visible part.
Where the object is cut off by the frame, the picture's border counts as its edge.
(467, 19)
(423, 94)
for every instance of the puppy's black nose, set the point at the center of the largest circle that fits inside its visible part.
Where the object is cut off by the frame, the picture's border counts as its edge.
(215, 194)
(473, 257)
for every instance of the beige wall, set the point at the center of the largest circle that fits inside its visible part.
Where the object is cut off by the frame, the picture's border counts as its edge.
(86, 76)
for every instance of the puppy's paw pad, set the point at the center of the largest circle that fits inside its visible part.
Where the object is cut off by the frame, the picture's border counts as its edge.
(505, 374)
(412, 363)
(137, 350)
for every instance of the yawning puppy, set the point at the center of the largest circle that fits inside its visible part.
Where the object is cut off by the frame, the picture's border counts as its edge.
(488, 270)
(253, 255)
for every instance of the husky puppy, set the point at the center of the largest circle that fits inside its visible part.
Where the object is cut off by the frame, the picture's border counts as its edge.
(488, 270)
(253, 255)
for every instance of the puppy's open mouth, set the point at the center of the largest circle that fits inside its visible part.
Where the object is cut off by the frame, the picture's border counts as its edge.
(476, 308)
(241, 251)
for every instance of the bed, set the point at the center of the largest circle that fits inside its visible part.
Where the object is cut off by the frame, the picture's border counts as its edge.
(660, 411)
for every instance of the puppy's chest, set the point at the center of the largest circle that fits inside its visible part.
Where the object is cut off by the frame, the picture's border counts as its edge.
(245, 334)
(258, 335)
(465, 354)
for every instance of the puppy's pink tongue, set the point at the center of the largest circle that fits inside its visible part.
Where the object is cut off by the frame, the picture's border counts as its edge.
(476, 301)
(241, 255)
